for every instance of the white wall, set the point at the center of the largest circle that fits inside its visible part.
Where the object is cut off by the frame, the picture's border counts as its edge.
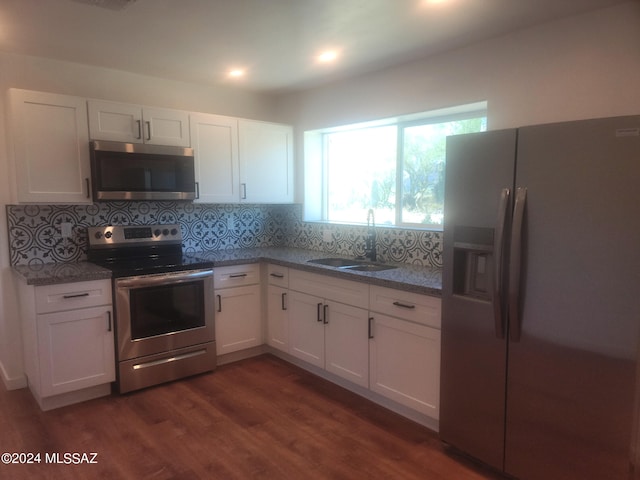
(584, 66)
(46, 75)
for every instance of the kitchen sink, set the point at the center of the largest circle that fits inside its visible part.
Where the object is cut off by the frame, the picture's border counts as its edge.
(337, 262)
(349, 264)
(370, 267)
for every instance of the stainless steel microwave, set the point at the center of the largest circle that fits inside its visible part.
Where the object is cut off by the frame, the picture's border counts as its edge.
(131, 171)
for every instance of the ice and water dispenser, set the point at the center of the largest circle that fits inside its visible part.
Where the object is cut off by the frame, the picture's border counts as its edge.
(473, 262)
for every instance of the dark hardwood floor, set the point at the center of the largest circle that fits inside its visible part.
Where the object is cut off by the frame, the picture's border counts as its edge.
(259, 418)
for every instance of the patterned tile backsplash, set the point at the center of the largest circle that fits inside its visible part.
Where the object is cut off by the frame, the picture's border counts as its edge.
(35, 230)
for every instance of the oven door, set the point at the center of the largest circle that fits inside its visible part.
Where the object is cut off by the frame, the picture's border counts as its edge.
(163, 312)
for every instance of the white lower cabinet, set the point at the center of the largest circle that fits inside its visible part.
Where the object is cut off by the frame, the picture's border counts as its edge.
(68, 341)
(237, 317)
(405, 363)
(404, 349)
(326, 332)
(278, 307)
(76, 349)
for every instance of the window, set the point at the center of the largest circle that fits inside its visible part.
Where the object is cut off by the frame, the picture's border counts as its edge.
(395, 167)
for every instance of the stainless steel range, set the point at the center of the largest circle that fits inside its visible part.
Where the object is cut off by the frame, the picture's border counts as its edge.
(163, 302)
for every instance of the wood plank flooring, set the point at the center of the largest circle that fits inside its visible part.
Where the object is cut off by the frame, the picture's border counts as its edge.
(260, 418)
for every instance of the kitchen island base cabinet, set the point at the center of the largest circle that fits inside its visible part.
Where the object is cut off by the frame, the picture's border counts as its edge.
(238, 320)
(68, 341)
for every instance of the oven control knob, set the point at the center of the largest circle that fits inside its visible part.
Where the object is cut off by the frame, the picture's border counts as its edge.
(98, 235)
(108, 235)
(157, 232)
(165, 231)
(174, 231)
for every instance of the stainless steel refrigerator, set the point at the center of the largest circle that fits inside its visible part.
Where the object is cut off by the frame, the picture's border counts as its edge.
(541, 298)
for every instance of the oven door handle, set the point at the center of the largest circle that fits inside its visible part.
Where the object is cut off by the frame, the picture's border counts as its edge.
(162, 279)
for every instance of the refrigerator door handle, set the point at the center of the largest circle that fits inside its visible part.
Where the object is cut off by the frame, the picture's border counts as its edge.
(515, 264)
(498, 262)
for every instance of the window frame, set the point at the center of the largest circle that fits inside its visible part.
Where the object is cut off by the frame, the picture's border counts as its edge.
(316, 201)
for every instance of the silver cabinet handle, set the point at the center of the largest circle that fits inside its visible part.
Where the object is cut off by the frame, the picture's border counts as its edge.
(139, 124)
(284, 306)
(109, 326)
(370, 327)
(515, 264)
(148, 124)
(238, 275)
(319, 317)
(325, 314)
(277, 275)
(197, 190)
(244, 191)
(498, 262)
(219, 303)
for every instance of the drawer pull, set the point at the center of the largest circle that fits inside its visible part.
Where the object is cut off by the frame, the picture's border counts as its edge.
(277, 275)
(404, 305)
(319, 318)
(76, 295)
(238, 275)
(284, 306)
(325, 316)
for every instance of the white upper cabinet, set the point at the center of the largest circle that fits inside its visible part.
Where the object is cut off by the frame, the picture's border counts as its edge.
(50, 147)
(266, 162)
(121, 122)
(215, 144)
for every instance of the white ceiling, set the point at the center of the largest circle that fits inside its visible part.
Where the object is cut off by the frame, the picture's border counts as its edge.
(275, 40)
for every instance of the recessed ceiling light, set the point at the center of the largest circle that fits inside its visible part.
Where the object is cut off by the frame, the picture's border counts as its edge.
(327, 56)
(237, 72)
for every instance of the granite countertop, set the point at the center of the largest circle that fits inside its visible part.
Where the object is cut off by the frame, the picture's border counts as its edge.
(52, 273)
(414, 278)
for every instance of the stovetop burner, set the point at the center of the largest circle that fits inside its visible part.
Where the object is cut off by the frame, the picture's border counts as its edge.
(141, 250)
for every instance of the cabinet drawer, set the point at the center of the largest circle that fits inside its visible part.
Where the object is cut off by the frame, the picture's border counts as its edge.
(330, 288)
(406, 305)
(278, 275)
(236, 275)
(71, 296)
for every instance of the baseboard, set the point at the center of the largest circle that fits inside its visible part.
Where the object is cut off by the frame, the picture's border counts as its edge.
(14, 383)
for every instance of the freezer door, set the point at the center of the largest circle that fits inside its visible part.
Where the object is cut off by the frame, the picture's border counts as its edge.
(572, 372)
(479, 176)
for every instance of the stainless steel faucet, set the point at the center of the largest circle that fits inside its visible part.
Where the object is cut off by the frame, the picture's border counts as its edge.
(370, 242)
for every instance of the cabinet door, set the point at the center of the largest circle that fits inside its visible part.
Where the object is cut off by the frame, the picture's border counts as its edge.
(215, 144)
(76, 349)
(278, 318)
(266, 162)
(118, 122)
(237, 319)
(166, 127)
(405, 363)
(306, 330)
(346, 342)
(50, 139)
